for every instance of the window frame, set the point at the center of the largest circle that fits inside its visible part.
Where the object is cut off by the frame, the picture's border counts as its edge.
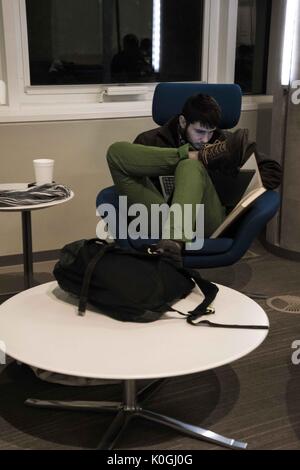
(48, 102)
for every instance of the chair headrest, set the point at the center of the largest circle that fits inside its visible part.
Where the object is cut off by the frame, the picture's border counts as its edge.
(169, 98)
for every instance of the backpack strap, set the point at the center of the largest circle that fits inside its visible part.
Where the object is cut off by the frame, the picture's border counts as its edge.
(209, 311)
(225, 325)
(83, 299)
(209, 291)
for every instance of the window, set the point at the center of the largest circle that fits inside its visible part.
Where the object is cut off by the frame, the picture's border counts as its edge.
(114, 41)
(58, 56)
(253, 31)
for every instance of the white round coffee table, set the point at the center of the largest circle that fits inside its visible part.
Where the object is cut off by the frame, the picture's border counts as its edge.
(40, 327)
(27, 233)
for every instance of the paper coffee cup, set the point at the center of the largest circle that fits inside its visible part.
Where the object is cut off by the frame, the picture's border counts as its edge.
(43, 170)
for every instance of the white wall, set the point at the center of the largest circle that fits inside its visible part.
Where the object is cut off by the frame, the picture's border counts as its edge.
(79, 149)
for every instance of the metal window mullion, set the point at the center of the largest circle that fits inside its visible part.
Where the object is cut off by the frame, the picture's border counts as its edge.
(24, 44)
(219, 40)
(205, 41)
(229, 72)
(13, 61)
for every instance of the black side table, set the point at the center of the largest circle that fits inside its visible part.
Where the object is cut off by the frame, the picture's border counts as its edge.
(27, 235)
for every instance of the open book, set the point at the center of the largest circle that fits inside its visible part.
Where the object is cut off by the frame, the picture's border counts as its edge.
(238, 192)
(252, 191)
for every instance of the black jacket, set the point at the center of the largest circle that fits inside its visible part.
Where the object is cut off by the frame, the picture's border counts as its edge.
(238, 143)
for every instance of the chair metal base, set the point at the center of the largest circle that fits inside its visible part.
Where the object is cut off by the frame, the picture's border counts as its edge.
(130, 408)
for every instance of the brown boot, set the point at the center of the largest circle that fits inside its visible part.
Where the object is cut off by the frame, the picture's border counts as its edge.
(212, 155)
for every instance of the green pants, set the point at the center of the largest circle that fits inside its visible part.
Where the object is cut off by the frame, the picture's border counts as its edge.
(132, 165)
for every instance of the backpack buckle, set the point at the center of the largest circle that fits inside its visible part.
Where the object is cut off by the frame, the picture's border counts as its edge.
(152, 251)
(210, 310)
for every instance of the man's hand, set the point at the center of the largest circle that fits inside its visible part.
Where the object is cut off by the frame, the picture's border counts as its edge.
(193, 154)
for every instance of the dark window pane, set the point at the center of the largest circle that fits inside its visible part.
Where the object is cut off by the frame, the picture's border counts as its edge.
(181, 40)
(253, 31)
(110, 41)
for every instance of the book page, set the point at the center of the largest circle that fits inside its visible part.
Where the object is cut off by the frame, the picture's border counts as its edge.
(252, 192)
(238, 210)
(251, 196)
(256, 182)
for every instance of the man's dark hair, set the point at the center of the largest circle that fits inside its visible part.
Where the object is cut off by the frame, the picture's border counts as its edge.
(203, 109)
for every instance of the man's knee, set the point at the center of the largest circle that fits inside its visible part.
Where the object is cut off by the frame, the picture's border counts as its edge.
(114, 152)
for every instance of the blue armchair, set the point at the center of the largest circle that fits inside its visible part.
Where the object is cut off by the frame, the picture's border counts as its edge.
(168, 101)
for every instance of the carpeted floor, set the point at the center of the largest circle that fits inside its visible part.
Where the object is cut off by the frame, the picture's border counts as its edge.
(255, 399)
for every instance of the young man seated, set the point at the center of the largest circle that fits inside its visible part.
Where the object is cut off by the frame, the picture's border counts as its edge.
(190, 146)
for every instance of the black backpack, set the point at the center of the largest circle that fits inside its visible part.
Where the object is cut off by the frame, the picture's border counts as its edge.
(128, 285)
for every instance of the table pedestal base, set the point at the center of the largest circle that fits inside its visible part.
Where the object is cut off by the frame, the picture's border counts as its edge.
(130, 408)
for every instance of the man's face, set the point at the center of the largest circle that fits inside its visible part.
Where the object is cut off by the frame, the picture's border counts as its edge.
(196, 133)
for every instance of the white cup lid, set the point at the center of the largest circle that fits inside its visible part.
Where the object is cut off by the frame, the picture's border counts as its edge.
(43, 161)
